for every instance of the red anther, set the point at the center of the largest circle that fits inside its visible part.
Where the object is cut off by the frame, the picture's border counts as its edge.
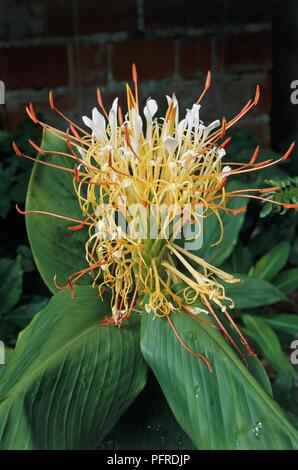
(257, 95)
(73, 130)
(265, 162)
(76, 173)
(134, 73)
(81, 225)
(100, 102)
(31, 113)
(254, 156)
(68, 143)
(127, 138)
(39, 149)
(105, 321)
(73, 228)
(51, 100)
(288, 152)
(268, 190)
(223, 127)
(99, 99)
(110, 161)
(20, 211)
(290, 206)
(208, 80)
(239, 210)
(120, 117)
(135, 79)
(206, 87)
(16, 149)
(225, 143)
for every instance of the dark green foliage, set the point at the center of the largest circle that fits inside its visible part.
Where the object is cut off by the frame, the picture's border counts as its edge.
(287, 194)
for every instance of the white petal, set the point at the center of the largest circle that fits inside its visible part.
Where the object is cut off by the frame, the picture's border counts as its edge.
(213, 125)
(170, 143)
(221, 153)
(88, 122)
(147, 308)
(226, 169)
(126, 183)
(99, 124)
(113, 117)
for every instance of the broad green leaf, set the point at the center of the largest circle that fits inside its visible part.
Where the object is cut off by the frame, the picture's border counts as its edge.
(285, 322)
(23, 314)
(258, 371)
(225, 409)
(55, 249)
(27, 261)
(272, 262)
(253, 363)
(69, 379)
(268, 343)
(10, 283)
(287, 281)
(217, 254)
(146, 427)
(239, 261)
(8, 352)
(253, 292)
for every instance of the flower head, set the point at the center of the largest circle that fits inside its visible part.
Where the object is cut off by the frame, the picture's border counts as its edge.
(135, 168)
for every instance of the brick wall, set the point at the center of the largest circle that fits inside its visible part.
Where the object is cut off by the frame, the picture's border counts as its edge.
(73, 46)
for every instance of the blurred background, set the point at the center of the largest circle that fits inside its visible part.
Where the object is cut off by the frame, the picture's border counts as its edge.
(74, 46)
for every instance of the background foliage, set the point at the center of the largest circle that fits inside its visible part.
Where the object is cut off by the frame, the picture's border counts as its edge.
(262, 250)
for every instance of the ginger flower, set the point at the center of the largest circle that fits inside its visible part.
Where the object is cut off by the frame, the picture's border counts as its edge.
(140, 180)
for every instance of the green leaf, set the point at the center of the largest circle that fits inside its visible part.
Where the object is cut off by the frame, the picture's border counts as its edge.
(285, 322)
(55, 249)
(287, 194)
(268, 343)
(10, 283)
(8, 352)
(239, 261)
(253, 292)
(225, 409)
(69, 379)
(287, 281)
(257, 369)
(146, 427)
(23, 314)
(217, 254)
(272, 262)
(26, 258)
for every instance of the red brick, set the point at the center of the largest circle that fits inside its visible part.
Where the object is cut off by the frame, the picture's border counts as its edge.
(189, 13)
(16, 109)
(36, 18)
(261, 131)
(195, 56)
(95, 16)
(34, 67)
(245, 52)
(250, 11)
(265, 101)
(89, 64)
(154, 58)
